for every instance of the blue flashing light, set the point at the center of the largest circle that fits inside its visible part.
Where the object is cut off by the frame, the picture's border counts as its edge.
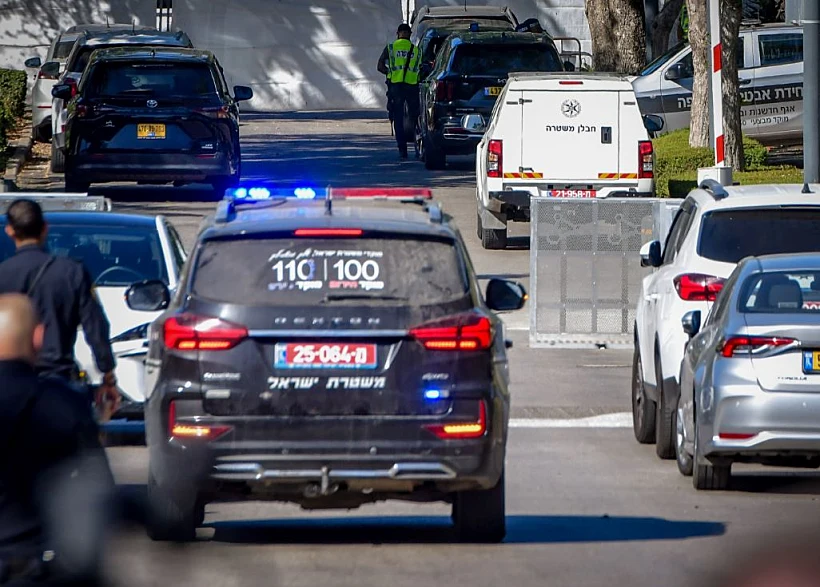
(433, 394)
(259, 193)
(240, 193)
(304, 193)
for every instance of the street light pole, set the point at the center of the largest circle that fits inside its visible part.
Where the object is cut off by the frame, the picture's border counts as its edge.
(811, 91)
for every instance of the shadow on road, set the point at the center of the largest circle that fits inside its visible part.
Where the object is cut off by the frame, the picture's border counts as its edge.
(521, 529)
(791, 483)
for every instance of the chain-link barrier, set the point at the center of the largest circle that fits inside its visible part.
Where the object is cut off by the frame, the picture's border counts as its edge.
(585, 269)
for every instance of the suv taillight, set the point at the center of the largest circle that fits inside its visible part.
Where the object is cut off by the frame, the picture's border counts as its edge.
(462, 430)
(188, 332)
(694, 287)
(646, 160)
(495, 158)
(463, 332)
(445, 91)
(42, 75)
(213, 111)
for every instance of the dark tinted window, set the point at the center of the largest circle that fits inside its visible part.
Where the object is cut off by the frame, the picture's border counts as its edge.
(688, 68)
(312, 271)
(499, 60)
(62, 49)
(735, 234)
(81, 60)
(781, 49)
(659, 61)
(781, 292)
(163, 79)
(113, 255)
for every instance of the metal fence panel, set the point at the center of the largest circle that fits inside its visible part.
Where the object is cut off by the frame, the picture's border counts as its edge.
(585, 271)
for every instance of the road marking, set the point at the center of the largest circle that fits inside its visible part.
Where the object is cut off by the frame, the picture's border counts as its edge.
(617, 420)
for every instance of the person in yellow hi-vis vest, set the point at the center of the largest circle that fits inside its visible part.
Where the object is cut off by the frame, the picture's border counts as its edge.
(400, 63)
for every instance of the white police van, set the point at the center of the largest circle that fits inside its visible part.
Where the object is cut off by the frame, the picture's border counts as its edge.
(563, 135)
(770, 70)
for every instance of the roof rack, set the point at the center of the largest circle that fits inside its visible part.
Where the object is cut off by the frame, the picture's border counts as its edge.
(263, 197)
(715, 188)
(58, 202)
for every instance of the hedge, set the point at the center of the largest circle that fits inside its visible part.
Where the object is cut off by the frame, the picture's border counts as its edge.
(675, 159)
(12, 102)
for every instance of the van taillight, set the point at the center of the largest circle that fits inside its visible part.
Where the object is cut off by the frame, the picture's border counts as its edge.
(495, 158)
(646, 160)
(445, 91)
(187, 332)
(463, 332)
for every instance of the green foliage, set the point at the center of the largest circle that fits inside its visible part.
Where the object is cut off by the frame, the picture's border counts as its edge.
(12, 101)
(677, 164)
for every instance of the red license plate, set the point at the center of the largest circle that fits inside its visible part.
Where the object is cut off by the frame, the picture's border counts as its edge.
(300, 355)
(571, 193)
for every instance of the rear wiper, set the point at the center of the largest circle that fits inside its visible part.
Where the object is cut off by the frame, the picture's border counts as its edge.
(352, 296)
(136, 91)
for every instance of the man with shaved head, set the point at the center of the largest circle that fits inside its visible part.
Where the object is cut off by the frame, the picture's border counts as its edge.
(54, 477)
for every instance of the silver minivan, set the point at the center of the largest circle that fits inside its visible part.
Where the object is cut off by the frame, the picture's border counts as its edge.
(770, 64)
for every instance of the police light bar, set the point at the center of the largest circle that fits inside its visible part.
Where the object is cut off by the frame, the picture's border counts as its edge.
(58, 202)
(261, 193)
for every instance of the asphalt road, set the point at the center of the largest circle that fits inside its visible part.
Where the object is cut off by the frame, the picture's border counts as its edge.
(587, 505)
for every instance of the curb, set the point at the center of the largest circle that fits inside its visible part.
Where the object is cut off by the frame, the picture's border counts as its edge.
(22, 151)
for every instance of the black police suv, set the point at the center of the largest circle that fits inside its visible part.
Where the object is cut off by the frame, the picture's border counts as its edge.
(466, 78)
(152, 116)
(329, 354)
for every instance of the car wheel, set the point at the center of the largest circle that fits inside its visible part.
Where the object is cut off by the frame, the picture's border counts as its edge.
(434, 157)
(168, 521)
(709, 477)
(664, 429)
(643, 408)
(683, 458)
(491, 238)
(480, 516)
(57, 159)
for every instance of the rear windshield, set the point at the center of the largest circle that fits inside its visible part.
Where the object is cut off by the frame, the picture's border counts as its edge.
(781, 293)
(161, 79)
(730, 236)
(333, 271)
(63, 49)
(500, 60)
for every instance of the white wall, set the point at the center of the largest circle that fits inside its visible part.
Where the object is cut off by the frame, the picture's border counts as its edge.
(27, 27)
(297, 54)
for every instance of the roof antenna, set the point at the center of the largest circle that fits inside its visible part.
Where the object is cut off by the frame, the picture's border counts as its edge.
(329, 201)
(107, 24)
(806, 189)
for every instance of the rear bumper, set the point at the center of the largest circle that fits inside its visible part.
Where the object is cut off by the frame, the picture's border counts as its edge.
(781, 423)
(519, 194)
(145, 166)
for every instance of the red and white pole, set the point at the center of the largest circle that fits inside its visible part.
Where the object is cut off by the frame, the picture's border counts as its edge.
(716, 86)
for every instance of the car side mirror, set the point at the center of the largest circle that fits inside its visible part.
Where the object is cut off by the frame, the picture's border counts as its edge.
(33, 63)
(148, 296)
(242, 93)
(63, 92)
(674, 73)
(653, 123)
(569, 66)
(473, 123)
(691, 322)
(651, 254)
(504, 296)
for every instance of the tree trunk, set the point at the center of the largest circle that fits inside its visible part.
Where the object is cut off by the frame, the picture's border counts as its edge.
(699, 39)
(618, 35)
(662, 26)
(731, 13)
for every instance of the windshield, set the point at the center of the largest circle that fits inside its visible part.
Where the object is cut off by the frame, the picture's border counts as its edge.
(500, 60)
(115, 256)
(730, 236)
(658, 62)
(314, 271)
(164, 79)
(781, 292)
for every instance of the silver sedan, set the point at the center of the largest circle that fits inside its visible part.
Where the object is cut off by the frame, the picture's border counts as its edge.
(750, 378)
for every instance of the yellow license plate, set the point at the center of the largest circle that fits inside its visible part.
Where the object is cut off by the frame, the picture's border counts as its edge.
(150, 131)
(811, 361)
(494, 91)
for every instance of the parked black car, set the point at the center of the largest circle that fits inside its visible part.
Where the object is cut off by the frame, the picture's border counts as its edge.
(467, 76)
(152, 116)
(329, 357)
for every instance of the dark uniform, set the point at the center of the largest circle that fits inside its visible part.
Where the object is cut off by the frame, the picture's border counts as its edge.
(64, 301)
(55, 483)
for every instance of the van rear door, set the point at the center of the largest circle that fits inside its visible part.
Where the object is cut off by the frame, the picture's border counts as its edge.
(571, 136)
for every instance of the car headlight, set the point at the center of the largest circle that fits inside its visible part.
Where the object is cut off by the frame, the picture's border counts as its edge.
(136, 333)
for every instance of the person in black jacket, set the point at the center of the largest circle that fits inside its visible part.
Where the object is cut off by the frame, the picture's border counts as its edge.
(55, 482)
(62, 291)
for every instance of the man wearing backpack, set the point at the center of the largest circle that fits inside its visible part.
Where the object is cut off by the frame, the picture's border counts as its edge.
(62, 292)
